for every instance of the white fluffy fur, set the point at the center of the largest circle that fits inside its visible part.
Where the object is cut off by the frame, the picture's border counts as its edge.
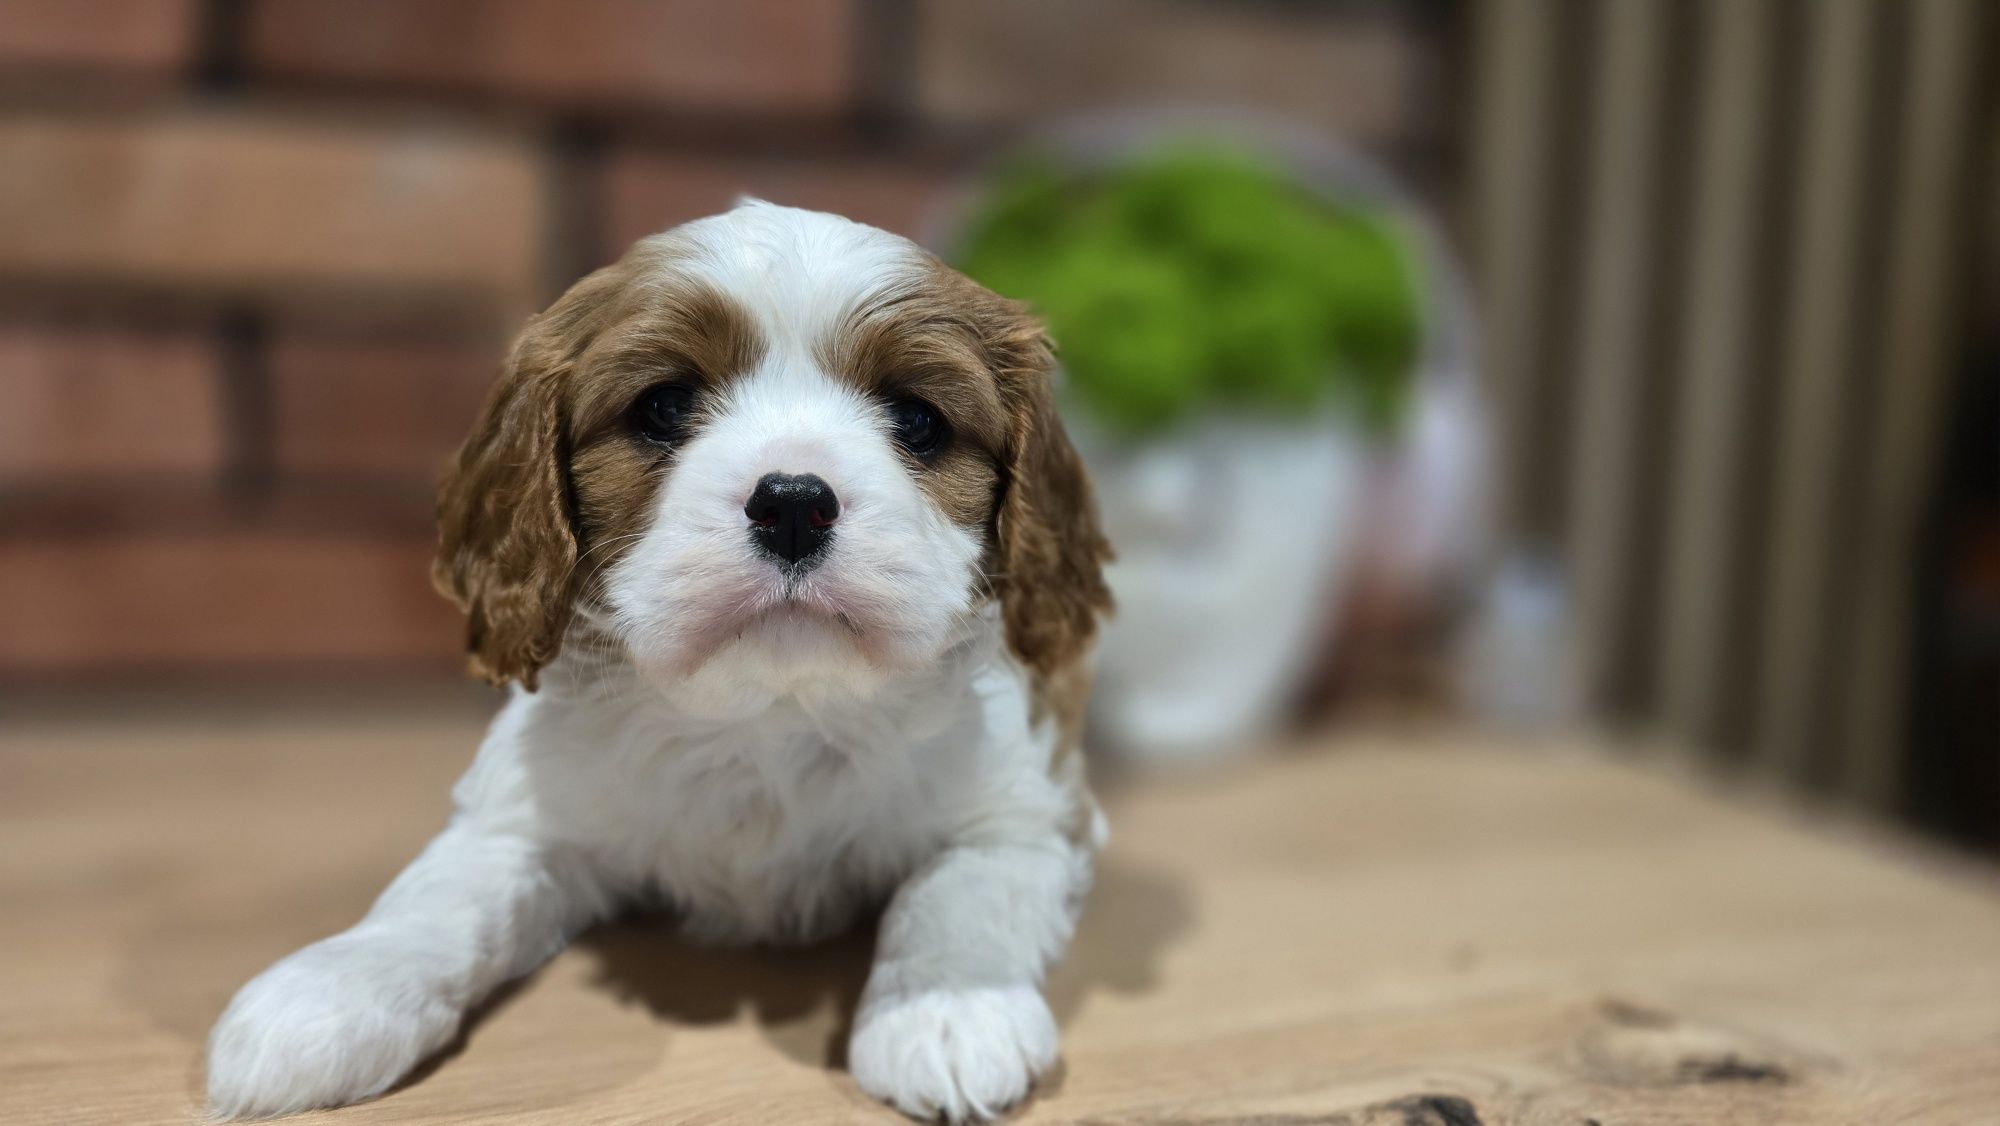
(767, 759)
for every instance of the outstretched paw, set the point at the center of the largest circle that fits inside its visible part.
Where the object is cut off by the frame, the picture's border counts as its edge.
(337, 1022)
(963, 1055)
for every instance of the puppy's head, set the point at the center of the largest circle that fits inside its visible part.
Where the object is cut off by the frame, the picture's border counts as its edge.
(771, 446)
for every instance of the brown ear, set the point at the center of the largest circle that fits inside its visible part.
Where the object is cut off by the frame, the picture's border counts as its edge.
(1050, 550)
(507, 533)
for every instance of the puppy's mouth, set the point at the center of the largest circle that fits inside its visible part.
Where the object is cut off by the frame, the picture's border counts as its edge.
(800, 602)
(780, 614)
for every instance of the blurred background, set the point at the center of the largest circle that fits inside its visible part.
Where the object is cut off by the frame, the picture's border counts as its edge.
(1691, 424)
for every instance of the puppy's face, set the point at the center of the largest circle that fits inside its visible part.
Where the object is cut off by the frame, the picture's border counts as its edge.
(766, 450)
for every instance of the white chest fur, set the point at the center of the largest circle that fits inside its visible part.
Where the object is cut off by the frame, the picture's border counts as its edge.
(776, 825)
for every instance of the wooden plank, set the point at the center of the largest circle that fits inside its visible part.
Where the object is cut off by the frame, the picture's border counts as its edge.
(1705, 551)
(123, 37)
(1608, 435)
(84, 399)
(243, 598)
(1911, 371)
(1400, 928)
(761, 57)
(272, 206)
(1351, 71)
(1814, 388)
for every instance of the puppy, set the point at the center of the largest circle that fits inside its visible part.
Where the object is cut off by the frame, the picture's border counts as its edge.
(774, 528)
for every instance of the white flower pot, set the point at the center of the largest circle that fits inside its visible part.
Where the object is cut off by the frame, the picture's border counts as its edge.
(1234, 539)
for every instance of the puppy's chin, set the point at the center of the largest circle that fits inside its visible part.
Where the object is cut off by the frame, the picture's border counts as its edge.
(746, 654)
(739, 668)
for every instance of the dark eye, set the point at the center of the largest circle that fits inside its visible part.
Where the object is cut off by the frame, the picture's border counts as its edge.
(918, 427)
(663, 412)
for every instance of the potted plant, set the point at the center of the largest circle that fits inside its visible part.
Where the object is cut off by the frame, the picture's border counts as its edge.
(1244, 330)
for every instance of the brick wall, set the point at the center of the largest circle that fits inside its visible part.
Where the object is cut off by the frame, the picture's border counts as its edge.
(259, 258)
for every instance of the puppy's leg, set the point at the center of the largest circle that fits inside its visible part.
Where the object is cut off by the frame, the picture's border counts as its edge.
(344, 1018)
(953, 1023)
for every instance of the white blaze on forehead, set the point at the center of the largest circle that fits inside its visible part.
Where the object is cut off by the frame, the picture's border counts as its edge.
(799, 274)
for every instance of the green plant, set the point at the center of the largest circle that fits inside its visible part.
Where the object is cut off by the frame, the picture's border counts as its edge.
(1197, 279)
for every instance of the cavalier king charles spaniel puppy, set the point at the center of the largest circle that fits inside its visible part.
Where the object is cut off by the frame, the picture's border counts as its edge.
(775, 530)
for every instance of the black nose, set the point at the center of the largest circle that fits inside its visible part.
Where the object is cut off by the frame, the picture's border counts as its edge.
(791, 515)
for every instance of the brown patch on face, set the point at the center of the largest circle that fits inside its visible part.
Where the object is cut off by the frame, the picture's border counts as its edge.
(674, 328)
(918, 342)
(553, 484)
(985, 362)
(962, 482)
(683, 332)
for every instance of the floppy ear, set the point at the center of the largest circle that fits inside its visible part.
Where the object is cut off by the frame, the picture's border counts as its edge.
(1050, 550)
(507, 530)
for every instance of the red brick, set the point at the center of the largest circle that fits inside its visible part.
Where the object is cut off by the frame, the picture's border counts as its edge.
(748, 55)
(140, 35)
(271, 207)
(88, 399)
(94, 604)
(1355, 73)
(647, 192)
(351, 405)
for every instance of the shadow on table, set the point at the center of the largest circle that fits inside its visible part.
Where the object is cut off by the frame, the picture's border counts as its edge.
(803, 1000)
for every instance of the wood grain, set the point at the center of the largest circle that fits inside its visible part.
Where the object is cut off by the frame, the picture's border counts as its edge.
(1414, 928)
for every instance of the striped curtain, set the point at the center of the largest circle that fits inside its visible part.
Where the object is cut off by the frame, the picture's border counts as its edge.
(1724, 248)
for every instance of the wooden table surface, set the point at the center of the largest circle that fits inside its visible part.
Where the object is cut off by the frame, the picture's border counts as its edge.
(1384, 929)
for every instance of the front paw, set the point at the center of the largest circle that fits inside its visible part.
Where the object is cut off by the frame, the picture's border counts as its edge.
(964, 1055)
(337, 1022)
